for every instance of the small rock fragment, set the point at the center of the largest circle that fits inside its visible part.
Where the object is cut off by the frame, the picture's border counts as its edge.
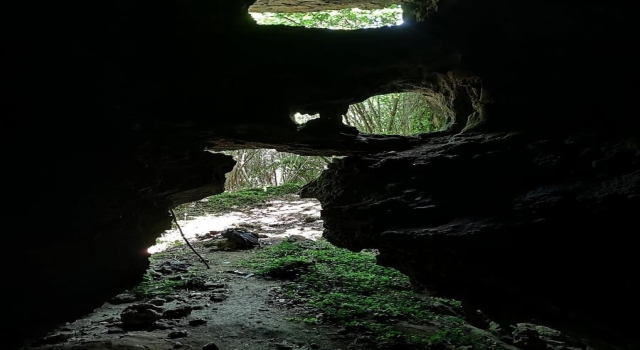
(197, 322)
(210, 346)
(214, 285)
(55, 338)
(140, 315)
(178, 312)
(162, 325)
(115, 330)
(157, 301)
(177, 345)
(283, 346)
(123, 299)
(218, 297)
(177, 334)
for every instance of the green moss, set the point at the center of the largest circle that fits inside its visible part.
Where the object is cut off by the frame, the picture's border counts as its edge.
(238, 199)
(149, 287)
(349, 289)
(152, 287)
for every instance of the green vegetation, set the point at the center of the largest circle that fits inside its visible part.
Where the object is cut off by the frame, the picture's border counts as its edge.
(349, 289)
(151, 287)
(395, 114)
(260, 167)
(249, 197)
(336, 19)
(237, 199)
(406, 113)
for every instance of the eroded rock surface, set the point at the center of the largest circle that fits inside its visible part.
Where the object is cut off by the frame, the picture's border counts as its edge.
(519, 226)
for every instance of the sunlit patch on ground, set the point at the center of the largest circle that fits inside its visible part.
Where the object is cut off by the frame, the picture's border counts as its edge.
(277, 218)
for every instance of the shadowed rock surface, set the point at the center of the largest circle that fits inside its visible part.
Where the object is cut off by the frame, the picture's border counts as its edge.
(513, 224)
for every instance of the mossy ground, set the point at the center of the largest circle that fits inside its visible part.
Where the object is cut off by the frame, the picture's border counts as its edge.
(238, 199)
(346, 288)
(158, 285)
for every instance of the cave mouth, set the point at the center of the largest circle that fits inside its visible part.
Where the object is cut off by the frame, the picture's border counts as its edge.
(343, 19)
(404, 113)
(260, 178)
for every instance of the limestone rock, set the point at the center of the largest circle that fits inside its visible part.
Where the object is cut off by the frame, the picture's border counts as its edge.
(178, 312)
(509, 223)
(140, 315)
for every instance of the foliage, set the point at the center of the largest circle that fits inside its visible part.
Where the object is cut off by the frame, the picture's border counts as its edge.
(267, 167)
(150, 287)
(394, 114)
(237, 199)
(405, 113)
(336, 19)
(397, 114)
(253, 196)
(349, 289)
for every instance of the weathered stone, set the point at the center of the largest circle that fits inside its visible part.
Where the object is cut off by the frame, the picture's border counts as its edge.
(123, 298)
(178, 312)
(162, 325)
(55, 338)
(214, 285)
(177, 334)
(140, 315)
(157, 301)
(535, 337)
(210, 346)
(218, 297)
(197, 322)
(506, 222)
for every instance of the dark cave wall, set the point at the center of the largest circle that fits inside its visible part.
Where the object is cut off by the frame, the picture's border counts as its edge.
(79, 234)
(519, 226)
(543, 64)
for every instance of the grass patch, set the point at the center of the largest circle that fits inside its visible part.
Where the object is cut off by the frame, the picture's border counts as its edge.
(157, 284)
(349, 289)
(150, 287)
(238, 199)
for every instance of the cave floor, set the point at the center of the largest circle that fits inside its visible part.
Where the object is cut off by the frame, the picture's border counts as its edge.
(226, 305)
(250, 317)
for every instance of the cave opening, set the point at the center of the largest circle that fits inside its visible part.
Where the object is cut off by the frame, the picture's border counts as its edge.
(403, 113)
(261, 178)
(339, 19)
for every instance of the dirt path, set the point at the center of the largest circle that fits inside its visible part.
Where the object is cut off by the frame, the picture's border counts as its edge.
(230, 307)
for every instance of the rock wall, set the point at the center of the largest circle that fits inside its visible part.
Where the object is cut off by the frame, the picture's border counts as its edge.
(522, 227)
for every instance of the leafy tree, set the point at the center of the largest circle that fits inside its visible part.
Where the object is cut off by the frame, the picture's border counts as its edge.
(267, 167)
(398, 114)
(335, 19)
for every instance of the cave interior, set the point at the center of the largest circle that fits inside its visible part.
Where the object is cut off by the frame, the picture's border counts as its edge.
(524, 207)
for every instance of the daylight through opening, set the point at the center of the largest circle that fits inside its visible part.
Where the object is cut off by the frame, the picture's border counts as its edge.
(344, 19)
(261, 189)
(406, 113)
